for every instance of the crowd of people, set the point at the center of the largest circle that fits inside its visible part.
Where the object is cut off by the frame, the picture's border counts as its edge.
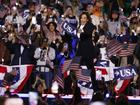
(32, 32)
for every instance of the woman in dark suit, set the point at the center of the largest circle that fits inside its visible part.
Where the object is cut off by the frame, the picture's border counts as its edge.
(86, 48)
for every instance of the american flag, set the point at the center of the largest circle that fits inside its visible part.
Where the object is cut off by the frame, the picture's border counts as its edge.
(75, 64)
(21, 74)
(83, 75)
(66, 65)
(65, 68)
(59, 78)
(113, 47)
(127, 50)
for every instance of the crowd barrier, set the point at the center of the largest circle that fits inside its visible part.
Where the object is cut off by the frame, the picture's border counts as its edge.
(23, 95)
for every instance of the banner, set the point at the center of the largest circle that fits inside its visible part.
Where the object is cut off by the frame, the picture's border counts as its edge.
(102, 63)
(68, 28)
(103, 70)
(125, 72)
(14, 77)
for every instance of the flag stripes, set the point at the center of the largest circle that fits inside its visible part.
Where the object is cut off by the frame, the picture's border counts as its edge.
(75, 64)
(127, 51)
(66, 65)
(113, 47)
(21, 76)
(82, 77)
(59, 81)
(116, 48)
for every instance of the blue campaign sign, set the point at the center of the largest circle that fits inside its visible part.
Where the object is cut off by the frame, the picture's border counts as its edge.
(69, 28)
(125, 72)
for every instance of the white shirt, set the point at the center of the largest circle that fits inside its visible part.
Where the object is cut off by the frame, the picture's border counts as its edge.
(19, 19)
(80, 30)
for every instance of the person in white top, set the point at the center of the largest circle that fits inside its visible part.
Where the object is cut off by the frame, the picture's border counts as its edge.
(44, 56)
(15, 19)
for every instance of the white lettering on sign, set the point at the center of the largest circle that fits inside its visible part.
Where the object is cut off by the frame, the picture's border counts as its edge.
(127, 72)
(69, 28)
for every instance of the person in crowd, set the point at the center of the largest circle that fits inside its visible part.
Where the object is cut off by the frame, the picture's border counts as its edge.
(97, 96)
(137, 50)
(125, 7)
(72, 40)
(36, 36)
(114, 23)
(4, 11)
(62, 56)
(30, 17)
(124, 33)
(70, 16)
(83, 4)
(58, 100)
(40, 88)
(63, 53)
(2, 100)
(103, 28)
(53, 36)
(122, 100)
(23, 51)
(5, 57)
(134, 24)
(15, 19)
(90, 8)
(97, 13)
(114, 5)
(42, 15)
(76, 95)
(44, 56)
(86, 49)
(125, 37)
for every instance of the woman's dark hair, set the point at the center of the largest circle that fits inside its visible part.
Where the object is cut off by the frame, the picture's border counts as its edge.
(76, 95)
(69, 7)
(114, 12)
(53, 23)
(87, 14)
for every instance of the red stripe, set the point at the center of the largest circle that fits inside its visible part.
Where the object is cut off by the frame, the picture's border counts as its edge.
(124, 86)
(65, 66)
(103, 70)
(3, 69)
(113, 47)
(82, 77)
(74, 66)
(29, 71)
(60, 81)
(65, 74)
(85, 79)
(127, 52)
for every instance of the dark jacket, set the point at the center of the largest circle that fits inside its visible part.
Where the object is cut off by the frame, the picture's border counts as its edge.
(26, 56)
(86, 47)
